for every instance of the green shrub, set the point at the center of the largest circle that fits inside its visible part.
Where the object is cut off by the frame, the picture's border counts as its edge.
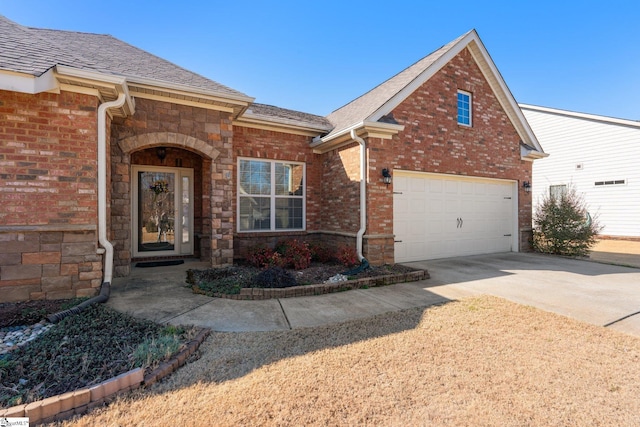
(563, 226)
(156, 349)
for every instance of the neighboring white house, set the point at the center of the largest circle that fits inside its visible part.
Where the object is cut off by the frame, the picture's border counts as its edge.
(598, 155)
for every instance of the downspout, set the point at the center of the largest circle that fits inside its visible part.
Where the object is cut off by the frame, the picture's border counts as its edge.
(363, 198)
(102, 185)
(103, 296)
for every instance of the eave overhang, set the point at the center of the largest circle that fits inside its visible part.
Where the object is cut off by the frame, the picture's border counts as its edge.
(365, 129)
(186, 95)
(529, 153)
(105, 87)
(279, 125)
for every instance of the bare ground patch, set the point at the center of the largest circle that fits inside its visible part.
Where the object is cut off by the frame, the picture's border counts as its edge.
(480, 361)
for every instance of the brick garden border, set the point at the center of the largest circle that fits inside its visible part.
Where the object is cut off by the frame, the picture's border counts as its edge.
(63, 406)
(325, 288)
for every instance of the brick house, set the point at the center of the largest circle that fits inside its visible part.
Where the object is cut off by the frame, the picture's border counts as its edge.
(110, 155)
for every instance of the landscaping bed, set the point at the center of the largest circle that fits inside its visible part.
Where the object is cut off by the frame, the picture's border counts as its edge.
(239, 282)
(81, 350)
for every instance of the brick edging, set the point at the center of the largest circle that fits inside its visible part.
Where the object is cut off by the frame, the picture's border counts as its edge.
(63, 406)
(325, 288)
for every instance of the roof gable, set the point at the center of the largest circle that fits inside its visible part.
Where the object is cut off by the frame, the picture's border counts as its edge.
(383, 98)
(380, 101)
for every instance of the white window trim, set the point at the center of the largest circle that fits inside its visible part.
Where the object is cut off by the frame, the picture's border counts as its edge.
(272, 196)
(470, 95)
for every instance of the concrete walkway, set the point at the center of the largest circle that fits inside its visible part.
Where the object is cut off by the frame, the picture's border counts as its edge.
(589, 291)
(161, 294)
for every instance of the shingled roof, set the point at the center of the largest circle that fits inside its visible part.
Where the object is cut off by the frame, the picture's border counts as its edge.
(285, 116)
(34, 51)
(364, 107)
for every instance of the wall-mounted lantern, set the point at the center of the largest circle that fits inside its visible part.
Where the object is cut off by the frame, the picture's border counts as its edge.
(386, 176)
(161, 152)
(526, 186)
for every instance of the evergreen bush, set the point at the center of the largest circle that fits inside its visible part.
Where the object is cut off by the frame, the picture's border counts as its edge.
(563, 226)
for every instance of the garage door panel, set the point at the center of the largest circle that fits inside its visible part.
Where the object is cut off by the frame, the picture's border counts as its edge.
(437, 217)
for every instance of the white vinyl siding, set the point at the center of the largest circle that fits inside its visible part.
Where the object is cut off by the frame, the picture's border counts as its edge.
(584, 152)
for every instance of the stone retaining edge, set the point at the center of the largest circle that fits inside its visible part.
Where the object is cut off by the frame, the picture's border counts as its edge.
(63, 406)
(325, 288)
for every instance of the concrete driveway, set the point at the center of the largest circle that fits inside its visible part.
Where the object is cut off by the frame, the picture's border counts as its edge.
(596, 293)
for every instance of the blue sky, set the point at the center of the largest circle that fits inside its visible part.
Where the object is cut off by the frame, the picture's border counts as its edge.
(316, 56)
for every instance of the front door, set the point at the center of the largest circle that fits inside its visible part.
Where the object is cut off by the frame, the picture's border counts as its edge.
(162, 211)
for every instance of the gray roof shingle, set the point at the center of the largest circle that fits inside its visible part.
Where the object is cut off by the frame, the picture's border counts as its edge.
(363, 107)
(35, 50)
(282, 115)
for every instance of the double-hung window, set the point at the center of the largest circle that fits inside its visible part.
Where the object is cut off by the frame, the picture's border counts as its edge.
(464, 108)
(270, 195)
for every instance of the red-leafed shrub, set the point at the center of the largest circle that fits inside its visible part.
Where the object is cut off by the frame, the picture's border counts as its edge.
(295, 254)
(260, 256)
(347, 256)
(320, 252)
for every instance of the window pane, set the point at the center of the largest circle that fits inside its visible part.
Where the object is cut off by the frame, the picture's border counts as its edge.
(289, 179)
(288, 213)
(255, 213)
(556, 191)
(255, 177)
(186, 209)
(464, 108)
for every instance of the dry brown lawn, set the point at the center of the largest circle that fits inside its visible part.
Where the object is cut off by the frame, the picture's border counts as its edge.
(476, 362)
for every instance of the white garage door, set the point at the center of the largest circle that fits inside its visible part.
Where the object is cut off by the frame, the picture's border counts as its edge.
(440, 216)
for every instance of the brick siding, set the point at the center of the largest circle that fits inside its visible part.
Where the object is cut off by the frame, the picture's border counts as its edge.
(432, 141)
(48, 194)
(48, 159)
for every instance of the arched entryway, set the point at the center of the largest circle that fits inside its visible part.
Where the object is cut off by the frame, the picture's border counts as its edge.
(167, 216)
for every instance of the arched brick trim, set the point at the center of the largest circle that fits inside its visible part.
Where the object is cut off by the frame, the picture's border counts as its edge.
(154, 139)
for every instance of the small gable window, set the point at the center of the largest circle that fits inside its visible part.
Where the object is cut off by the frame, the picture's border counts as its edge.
(464, 108)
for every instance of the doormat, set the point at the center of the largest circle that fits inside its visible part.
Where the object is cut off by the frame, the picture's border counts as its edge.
(159, 263)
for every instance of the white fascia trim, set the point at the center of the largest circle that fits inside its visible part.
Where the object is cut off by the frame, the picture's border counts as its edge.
(27, 83)
(380, 129)
(190, 90)
(587, 116)
(531, 155)
(118, 83)
(67, 71)
(431, 70)
(289, 126)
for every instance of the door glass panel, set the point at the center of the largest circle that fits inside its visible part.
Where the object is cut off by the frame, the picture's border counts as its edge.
(186, 208)
(156, 210)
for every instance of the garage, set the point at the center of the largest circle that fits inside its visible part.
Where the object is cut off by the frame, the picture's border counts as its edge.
(441, 216)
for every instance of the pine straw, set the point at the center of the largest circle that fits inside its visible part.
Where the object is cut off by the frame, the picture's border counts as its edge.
(480, 361)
